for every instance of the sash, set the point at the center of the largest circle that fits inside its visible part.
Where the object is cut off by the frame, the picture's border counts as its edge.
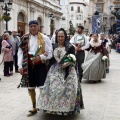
(25, 46)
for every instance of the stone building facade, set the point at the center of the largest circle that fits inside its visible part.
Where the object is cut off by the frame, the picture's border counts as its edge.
(25, 10)
(75, 11)
(104, 7)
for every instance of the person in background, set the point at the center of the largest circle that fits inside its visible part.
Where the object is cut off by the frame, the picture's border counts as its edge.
(80, 42)
(90, 36)
(13, 46)
(16, 43)
(118, 43)
(94, 69)
(0, 43)
(109, 46)
(49, 37)
(53, 37)
(105, 44)
(114, 42)
(8, 54)
(71, 36)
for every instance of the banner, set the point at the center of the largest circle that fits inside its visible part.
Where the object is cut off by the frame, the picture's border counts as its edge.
(96, 24)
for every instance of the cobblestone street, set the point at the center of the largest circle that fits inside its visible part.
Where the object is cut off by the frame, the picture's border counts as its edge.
(101, 100)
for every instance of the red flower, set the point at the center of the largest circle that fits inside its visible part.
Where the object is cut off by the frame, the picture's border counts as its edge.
(76, 45)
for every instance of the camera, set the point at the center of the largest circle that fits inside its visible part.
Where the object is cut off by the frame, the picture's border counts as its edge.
(8, 47)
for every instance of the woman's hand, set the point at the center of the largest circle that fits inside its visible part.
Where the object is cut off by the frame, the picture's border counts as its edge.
(45, 54)
(65, 65)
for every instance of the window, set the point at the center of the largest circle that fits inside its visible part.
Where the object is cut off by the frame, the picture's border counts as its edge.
(20, 17)
(77, 17)
(99, 8)
(80, 17)
(99, 0)
(78, 9)
(78, 24)
(72, 8)
(63, 18)
(72, 17)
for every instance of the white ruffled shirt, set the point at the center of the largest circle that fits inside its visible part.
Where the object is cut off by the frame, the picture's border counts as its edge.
(33, 48)
(73, 41)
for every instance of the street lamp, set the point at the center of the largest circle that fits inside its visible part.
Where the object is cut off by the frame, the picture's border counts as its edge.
(6, 6)
(51, 24)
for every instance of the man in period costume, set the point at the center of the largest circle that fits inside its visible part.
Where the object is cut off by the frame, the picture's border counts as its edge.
(34, 49)
(80, 43)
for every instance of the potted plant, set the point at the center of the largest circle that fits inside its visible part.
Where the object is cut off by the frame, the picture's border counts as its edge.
(6, 18)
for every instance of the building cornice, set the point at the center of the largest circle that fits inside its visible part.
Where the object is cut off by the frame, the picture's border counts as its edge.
(44, 4)
(78, 3)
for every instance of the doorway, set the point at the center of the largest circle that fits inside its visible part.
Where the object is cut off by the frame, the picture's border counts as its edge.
(21, 24)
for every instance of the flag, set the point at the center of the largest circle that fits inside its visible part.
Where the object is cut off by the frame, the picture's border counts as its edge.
(96, 24)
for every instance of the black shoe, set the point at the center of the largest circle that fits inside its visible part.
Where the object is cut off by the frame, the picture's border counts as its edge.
(107, 70)
(99, 80)
(80, 80)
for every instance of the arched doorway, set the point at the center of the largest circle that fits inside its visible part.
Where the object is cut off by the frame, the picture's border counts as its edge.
(40, 24)
(21, 24)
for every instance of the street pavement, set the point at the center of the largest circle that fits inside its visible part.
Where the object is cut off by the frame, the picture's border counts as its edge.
(101, 100)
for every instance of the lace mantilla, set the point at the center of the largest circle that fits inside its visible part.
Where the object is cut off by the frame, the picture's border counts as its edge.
(95, 44)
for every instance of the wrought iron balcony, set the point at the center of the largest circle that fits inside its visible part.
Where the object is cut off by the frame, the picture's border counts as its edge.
(116, 1)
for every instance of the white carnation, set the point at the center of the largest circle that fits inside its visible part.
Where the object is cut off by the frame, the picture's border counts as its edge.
(73, 57)
(104, 58)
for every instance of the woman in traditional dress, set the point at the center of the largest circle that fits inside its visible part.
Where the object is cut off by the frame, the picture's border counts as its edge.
(61, 94)
(94, 68)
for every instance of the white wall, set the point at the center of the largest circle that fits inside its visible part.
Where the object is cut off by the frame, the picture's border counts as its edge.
(33, 11)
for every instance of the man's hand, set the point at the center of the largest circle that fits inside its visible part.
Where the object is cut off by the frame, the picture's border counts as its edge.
(78, 49)
(21, 71)
(36, 60)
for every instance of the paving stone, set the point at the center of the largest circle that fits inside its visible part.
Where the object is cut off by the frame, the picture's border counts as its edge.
(102, 100)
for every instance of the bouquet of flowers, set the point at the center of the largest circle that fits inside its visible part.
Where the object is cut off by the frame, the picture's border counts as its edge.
(69, 58)
(105, 58)
(36, 53)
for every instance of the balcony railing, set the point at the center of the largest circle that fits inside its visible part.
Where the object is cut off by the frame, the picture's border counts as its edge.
(100, 1)
(116, 1)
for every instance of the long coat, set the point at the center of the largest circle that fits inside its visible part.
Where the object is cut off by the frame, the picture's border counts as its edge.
(7, 53)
